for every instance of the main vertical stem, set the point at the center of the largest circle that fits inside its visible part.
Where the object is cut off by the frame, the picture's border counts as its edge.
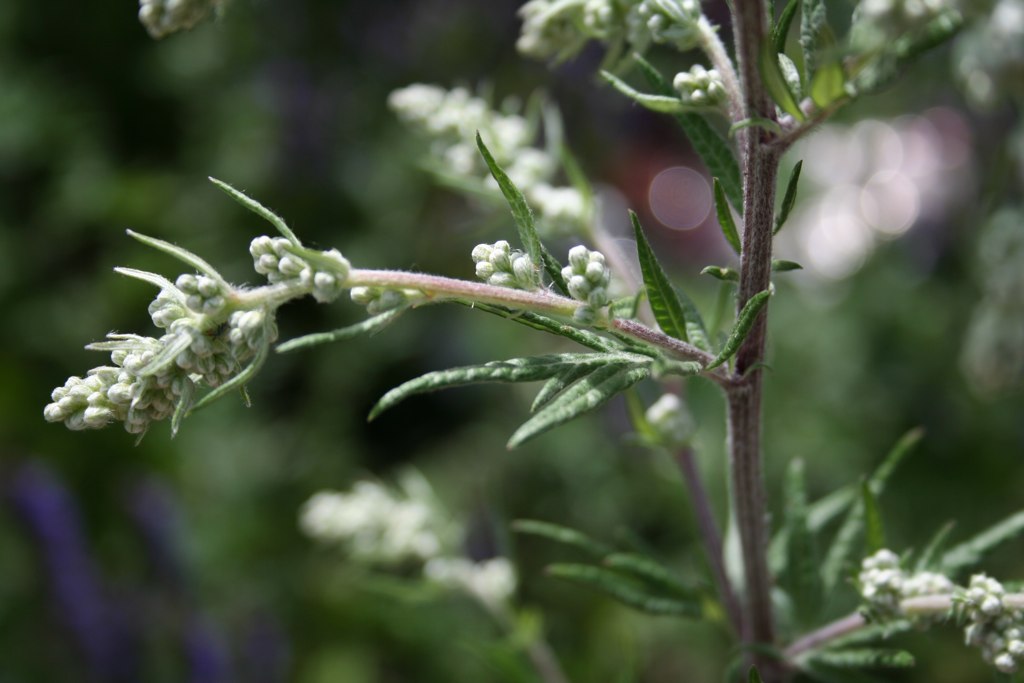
(759, 168)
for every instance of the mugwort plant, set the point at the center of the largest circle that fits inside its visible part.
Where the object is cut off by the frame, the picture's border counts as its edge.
(787, 72)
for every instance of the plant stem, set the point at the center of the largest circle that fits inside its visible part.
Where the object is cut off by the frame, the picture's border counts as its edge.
(719, 58)
(710, 536)
(924, 605)
(759, 167)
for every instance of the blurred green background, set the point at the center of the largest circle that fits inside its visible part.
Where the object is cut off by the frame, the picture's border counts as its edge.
(182, 560)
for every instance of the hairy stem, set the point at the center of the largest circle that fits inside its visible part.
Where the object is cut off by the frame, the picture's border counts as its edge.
(719, 58)
(710, 536)
(924, 605)
(759, 167)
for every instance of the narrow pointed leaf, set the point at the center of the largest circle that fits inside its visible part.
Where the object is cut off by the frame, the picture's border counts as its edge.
(647, 570)
(721, 273)
(803, 567)
(753, 676)
(929, 559)
(828, 84)
(866, 658)
(775, 82)
(624, 590)
(517, 203)
(663, 104)
(874, 531)
(871, 633)
(789, 198)
(167, 354)
(152, 278)
(812, 20)
(713, 149)
(368, 326)
(183, 406)
(742, 327)
(780, 266)
(258, 209)
(841, 550)
(557, 384)
(970, 553)
(237, 382)
(561, 534)
(589, 393)
(536, 321)
(529, 369)
(554, 270)
(638, 417)
(675, 313)
(183, 255)
(780, 31)
(725, 219)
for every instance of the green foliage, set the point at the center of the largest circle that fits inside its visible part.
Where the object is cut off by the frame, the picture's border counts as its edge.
(725, 219)
(780, 30)
(237, 382)
(562, 535)
(802, 571)
(971, 552)
(781, 266)
(721, 273)
(739, 332)
(929, 557)
(789, 198)
(776, 83)
(713, 150)
(183, 255)
(676, 314)
(520, 209)
(813, 20)
(865, 658)
(627, 591)
(663, 104)
(369, 326)
(874, 530)
(260, 210)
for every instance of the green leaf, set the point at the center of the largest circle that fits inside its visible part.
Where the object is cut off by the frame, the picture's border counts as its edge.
(529, 369)
(237, 382)
(789, 198)
(557, 384)
(563, 535)
(973, 551)
(589, 393)
(259, 210)
(812, 20)
(753, 676)
(626, 591)
(713, 150)
(829, 82)
(153, 279)
(803, 567)
(183, 406)
(884, 69)
(780, 31)
(775, 82)
(554, 270)
(721, 273)
(638, 417)
(742, 327)
(517, 203)
(785, 266)
(368, 326)
(650, 572)
(675, 313)
(725, 219)
(168, 353)
(865, 658)
(183, 255)
(929, 559)
(871, 633)
(663, 104)
(543, 323)
(842, 546)
(874, 531)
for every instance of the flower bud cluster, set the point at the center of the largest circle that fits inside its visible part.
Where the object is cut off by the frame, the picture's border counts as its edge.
(450, 120)
(163, 17)
(556, 29)
(107, 394)
(492, 581)
(380, 300)
(881, 582)
(700, 87)
(670, 22)
(202, 293)
(671, 421)
(322, 274)
(499, 265)
(374, 523)
(587, 278)
(994, 628)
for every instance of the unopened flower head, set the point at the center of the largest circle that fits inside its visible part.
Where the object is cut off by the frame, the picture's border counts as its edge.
(700, 87)
(499, 265)
(492, 581)
(321, 274)
(374, 523)
(163, 17)
(380, 300)
(671, 421)
(672, 22)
